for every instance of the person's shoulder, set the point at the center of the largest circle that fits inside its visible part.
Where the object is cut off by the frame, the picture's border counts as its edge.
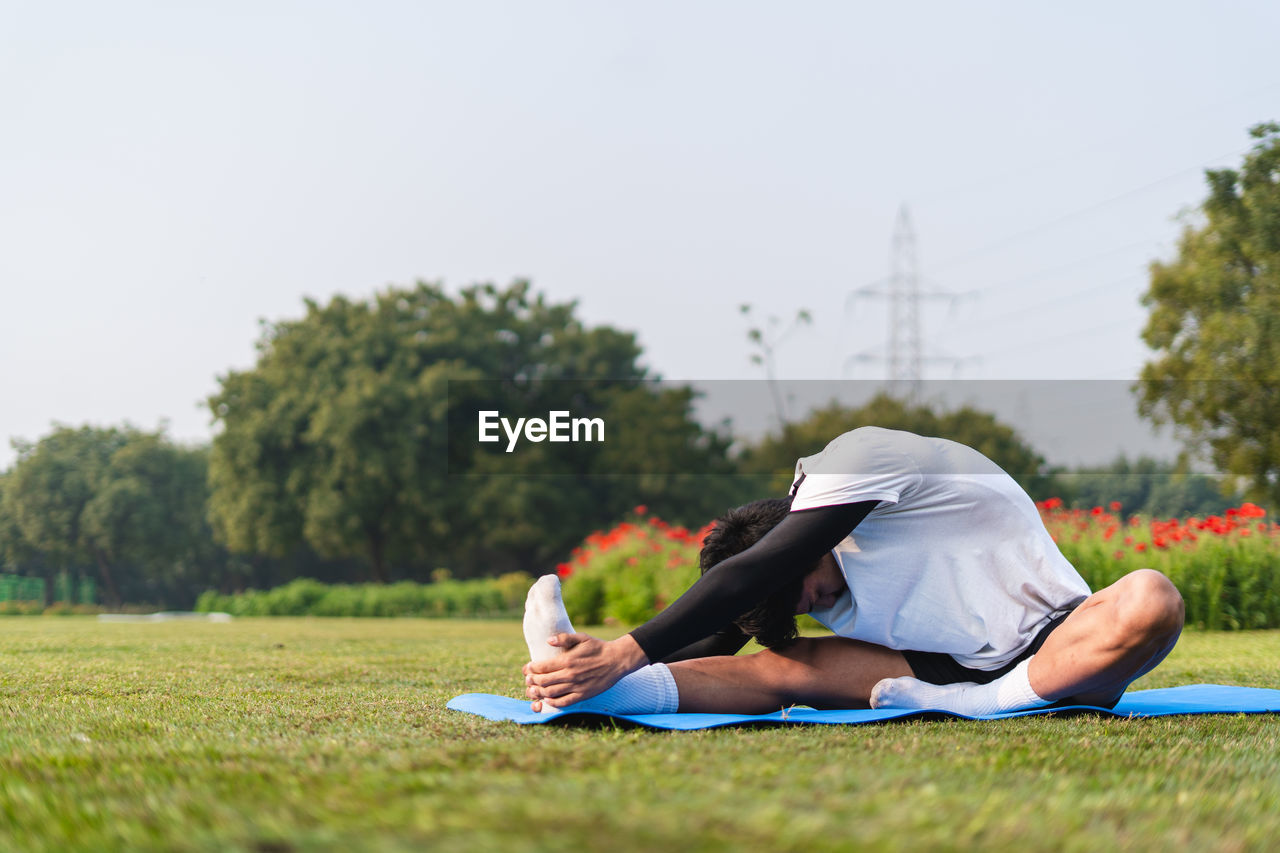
(867, 463)
(876, 437)
(858, 448)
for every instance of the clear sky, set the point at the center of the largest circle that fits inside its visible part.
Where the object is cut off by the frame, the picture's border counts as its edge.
(172, 172)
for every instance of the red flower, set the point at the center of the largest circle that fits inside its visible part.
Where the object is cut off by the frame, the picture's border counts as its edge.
(640, 509)
(1141, 546)
(1097, 510)
(1115, 506)
(564, 570)
(1118, 555)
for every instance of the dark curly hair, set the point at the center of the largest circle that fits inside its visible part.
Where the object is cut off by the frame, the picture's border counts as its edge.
(772, 622)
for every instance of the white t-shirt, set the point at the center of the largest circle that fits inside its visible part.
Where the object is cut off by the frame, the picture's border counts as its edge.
(954, 559)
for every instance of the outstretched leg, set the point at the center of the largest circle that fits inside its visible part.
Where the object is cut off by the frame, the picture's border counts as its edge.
(830, 672)
(824, 672)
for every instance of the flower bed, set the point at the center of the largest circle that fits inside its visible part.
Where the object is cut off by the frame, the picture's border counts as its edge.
(1226, 566)
(629, 573)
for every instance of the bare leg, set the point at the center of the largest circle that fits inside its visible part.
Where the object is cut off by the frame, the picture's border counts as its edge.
(1116, 635)
(825, 672)
(1112, 638)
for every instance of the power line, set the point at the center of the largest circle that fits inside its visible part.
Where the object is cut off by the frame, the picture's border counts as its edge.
(1053, 271)
(1098, 142)
(1075, 214)
(1063, 337)
(903, 286)
(1064, 297)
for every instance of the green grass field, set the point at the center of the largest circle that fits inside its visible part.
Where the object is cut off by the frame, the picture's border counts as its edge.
(282, 734)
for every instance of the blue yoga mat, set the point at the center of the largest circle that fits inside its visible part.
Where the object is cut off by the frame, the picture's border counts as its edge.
(1165, 701)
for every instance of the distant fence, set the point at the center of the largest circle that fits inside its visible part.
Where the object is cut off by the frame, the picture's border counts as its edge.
(65, 589)
(17, 588)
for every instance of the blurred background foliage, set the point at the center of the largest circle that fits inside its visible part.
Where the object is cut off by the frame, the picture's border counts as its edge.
(331, 462)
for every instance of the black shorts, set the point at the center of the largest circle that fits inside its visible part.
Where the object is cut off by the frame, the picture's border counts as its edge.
(939, 668)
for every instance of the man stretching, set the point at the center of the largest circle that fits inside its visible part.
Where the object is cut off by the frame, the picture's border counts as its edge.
(928, 562)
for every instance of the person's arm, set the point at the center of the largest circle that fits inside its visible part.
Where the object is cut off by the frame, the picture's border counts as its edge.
(727, 641)
(785, 554)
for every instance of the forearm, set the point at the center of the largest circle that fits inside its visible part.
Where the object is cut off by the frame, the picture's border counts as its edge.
(714, 601)
(628, 654)
(784, 555)
(725, 642)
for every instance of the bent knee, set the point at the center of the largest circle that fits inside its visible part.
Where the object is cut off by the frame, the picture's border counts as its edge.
(1151, 606)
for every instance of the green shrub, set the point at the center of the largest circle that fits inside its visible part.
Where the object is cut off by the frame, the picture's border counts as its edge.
(487, 597)
(21, 608)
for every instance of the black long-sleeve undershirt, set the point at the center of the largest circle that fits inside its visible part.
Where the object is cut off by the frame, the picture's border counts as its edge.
(727, 641)
(698, 623)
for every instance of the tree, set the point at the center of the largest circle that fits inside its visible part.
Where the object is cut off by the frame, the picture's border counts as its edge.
(127, 502)
(1215, 324)
(148, 516)
(49, 488)
(1149, 486)
(15, 550)
(326, 439)
(339, 436)
(777, 454)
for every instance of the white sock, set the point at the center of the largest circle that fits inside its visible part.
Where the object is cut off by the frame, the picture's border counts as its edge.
(649, 690)
(544, 616)
(1010, 692)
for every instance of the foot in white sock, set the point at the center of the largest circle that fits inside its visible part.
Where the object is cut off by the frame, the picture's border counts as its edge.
(544, 617)
(648, 690)
(1010, 692)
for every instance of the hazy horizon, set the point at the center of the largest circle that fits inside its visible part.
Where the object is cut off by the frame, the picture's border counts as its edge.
(172, 175)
